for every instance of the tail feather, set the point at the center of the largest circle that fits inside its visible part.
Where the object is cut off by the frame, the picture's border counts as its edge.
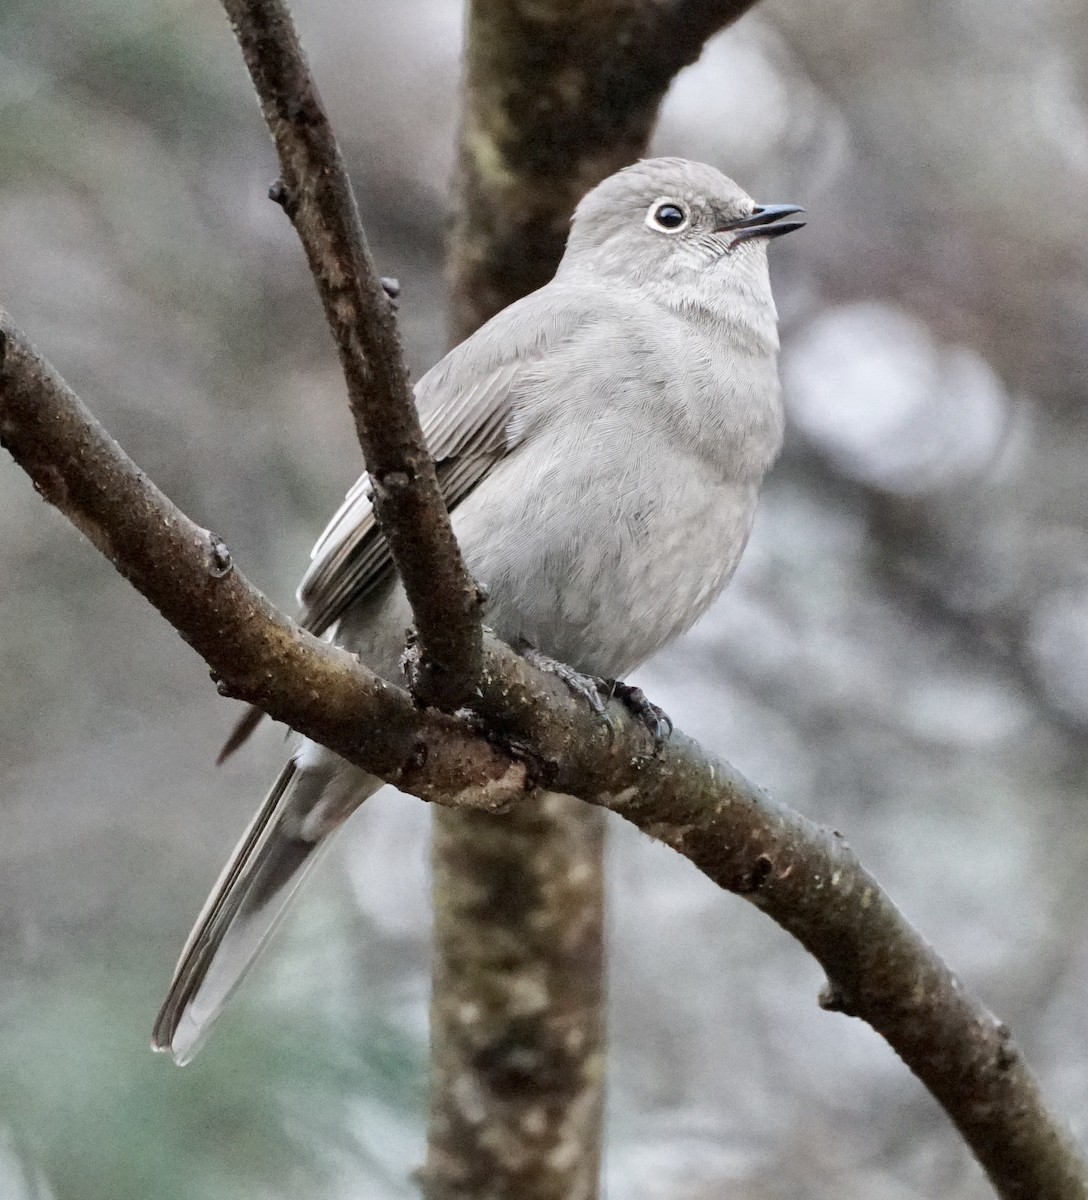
(281, 844)
(239, 735)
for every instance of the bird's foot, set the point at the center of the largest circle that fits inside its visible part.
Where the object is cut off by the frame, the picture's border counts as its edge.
(597, 692)
(657, 721)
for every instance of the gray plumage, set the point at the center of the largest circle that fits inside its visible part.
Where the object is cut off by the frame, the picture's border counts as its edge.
(600, 444)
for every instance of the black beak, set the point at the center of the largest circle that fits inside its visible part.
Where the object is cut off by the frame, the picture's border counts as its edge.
(764, 221)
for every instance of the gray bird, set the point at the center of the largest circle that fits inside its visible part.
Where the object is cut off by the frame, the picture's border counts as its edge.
(600, 444)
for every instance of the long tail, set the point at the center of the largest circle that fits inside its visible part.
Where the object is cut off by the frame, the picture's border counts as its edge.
(306, 805)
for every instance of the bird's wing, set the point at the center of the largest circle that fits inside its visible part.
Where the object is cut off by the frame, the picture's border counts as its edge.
(465, 434)
(468, 404)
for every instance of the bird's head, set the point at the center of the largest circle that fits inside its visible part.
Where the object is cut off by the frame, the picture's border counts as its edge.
(682, 223)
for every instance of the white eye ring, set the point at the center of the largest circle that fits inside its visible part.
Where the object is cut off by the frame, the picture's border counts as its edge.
(661, 207)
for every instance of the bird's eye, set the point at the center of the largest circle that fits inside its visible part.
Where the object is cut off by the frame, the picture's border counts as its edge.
(667, 215)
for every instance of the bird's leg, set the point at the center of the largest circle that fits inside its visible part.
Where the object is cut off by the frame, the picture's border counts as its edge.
(597, 692)
(594, 691)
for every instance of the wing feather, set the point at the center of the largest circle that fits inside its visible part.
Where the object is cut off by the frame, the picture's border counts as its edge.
(470, 407)
(466, 436)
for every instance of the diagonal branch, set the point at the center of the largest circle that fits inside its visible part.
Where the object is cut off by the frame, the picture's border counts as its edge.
(255, 653)
(534, 731)
(316, 194)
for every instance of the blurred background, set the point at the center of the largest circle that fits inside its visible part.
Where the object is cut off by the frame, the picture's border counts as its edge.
(903, 654)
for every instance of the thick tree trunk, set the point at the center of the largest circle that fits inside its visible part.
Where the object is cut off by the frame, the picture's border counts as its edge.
(517, 1048)
(557, 96)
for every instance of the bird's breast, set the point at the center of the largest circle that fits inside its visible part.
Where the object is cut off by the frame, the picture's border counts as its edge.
(601, 559)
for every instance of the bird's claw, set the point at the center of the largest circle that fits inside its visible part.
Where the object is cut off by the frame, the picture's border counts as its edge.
(597, 692)
(658, 723)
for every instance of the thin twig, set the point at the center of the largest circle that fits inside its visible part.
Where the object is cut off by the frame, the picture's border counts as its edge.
(535, 731)
(316, 194)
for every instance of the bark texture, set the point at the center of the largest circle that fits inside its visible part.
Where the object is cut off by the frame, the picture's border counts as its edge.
(528, 735)
(517, 1057)
(557, 95)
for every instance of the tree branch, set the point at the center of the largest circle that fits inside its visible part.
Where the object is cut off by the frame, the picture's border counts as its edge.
(316, 194)
(535, 731)
(255, 652)
(683, 27)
